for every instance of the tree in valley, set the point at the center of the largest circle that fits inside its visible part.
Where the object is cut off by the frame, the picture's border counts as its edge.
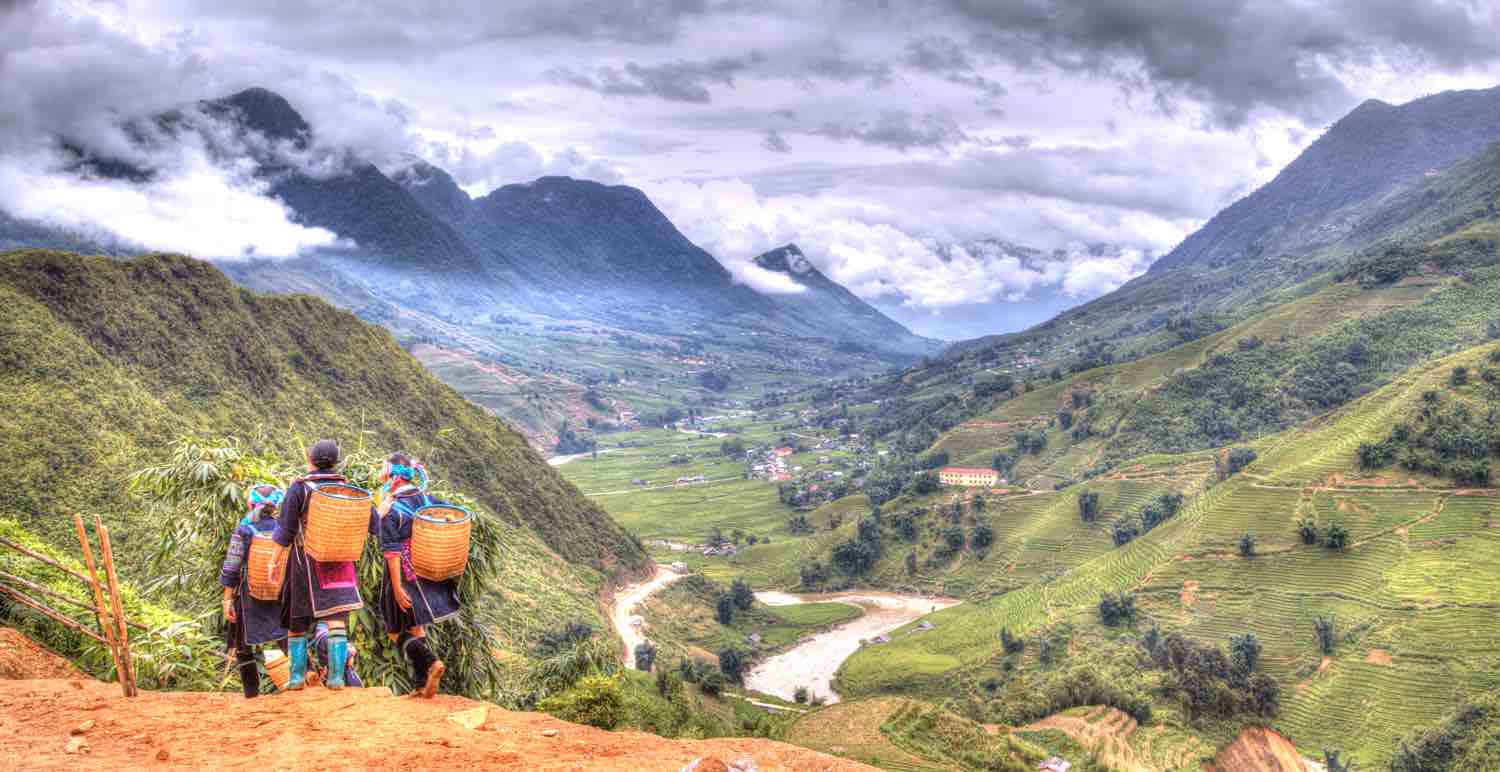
(1123, 531)
(1088, 506)
(1247, 545)
(744, 597)
(732, 663)
(983, 536)
(1003, 463)
(645, 656)
(1238, 459)
(1117, 609)
(724, 609)
(1244, 650)
(714, 381)
(1307, 529)
(1337, 538)
(1012, 644)
(1323, 628)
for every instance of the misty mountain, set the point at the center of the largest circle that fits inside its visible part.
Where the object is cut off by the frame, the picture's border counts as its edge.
(1367, 153)
(1374, 175)
(828, 307)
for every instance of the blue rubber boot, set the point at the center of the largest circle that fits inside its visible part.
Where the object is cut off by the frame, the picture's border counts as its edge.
(338, 655)
(296, 649)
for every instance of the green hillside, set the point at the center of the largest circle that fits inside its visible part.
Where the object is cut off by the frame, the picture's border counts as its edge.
(1439, 221)
(1411, 595)
(108, 361)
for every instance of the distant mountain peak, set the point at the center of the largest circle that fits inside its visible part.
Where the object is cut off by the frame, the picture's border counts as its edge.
(265, 111)
(787, 259)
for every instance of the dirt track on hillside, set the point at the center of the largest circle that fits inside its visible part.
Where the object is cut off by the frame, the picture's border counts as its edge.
(320, 729)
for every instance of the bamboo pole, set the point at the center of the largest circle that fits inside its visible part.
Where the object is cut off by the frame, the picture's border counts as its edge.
(119, 608)
(43, 558)
(106, 623)
(54, 594)
(45, 611)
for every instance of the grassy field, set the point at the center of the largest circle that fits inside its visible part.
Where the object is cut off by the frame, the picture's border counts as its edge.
(1411, 597)
(911, 736)
(1118, 390)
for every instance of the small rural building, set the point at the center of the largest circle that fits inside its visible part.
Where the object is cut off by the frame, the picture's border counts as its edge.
(968, 476)
(1055, 764)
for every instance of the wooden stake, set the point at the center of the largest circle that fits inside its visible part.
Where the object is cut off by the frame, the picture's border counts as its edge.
(106, 623)
(114, 591)
(45, 611)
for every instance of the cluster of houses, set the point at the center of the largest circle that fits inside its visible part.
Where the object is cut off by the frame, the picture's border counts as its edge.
(769, 463)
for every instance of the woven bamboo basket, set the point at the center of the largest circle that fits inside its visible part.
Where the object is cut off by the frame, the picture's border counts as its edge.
(440, 541)
(279, 667)
(338, 520)
(264, 560)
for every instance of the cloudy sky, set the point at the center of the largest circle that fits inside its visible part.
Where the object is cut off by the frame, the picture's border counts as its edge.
(969, 166)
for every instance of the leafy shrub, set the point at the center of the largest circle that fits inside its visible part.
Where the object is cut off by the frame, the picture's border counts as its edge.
(596, 700)
(1307, 529)
(1247, 545)
(800, 695)
(1467, 739)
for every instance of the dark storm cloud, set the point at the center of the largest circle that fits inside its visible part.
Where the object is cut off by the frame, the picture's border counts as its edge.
(631, 21)
(1234, 56)
(944, 57)
(836, 65)
(679, 81)
(1141, 178)
(776, 143)
(899, 130)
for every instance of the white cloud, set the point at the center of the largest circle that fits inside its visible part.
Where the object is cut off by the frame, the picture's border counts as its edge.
(876, 253)
(196, 208)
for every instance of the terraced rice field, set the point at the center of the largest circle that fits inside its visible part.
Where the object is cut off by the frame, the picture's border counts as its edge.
(1116, 740)
(1414, 597)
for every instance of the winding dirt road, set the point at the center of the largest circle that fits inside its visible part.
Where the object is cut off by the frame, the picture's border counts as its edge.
(623, 609)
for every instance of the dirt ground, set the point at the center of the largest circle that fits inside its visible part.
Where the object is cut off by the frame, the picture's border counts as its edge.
(42, 720)
(20, 658)
(1258, 749)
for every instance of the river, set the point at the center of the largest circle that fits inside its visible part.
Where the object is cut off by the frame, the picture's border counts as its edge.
(813, 662)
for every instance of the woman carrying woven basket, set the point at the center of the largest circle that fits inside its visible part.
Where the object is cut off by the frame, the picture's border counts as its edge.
(314, 590)
(252, 621)
(408, 602)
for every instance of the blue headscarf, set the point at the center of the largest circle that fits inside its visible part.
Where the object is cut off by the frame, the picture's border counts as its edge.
(261, 496)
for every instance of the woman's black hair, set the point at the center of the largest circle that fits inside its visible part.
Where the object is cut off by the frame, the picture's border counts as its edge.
(400, 458)
(324, 454)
